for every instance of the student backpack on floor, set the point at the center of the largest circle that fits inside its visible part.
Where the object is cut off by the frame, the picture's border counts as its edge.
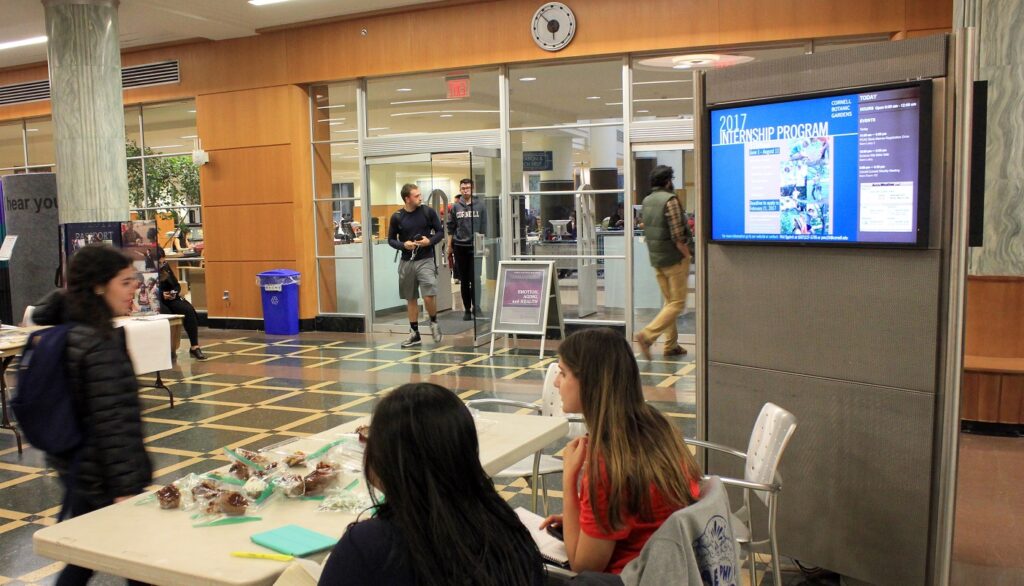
(44, 404)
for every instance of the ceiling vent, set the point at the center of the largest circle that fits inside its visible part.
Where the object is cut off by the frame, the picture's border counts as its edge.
(164, 72)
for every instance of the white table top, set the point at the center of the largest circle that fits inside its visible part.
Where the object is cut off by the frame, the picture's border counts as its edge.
(161, 547)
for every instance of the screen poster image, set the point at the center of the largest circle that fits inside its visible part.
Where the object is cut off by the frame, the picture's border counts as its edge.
(838, 169)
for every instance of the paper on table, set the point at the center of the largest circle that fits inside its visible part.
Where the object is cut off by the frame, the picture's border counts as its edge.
(550, 548)
(149, 344)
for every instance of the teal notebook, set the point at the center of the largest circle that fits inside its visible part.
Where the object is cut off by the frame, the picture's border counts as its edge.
(294, 540)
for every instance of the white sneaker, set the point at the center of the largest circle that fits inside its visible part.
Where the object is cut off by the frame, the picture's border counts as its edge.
(412, 340)
(435, 331)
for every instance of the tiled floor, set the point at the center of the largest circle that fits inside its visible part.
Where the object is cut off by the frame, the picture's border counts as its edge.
(256, 390)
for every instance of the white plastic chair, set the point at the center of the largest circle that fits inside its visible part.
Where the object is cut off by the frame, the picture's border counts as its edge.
(771, 433)
(539, 465)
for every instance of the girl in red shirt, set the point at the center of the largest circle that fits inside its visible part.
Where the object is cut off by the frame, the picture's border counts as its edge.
(636, 470)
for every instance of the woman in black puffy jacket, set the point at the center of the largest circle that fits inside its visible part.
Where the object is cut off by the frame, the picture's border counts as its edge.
(112, 464)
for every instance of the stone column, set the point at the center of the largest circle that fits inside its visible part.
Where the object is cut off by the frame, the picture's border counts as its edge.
(88, 113)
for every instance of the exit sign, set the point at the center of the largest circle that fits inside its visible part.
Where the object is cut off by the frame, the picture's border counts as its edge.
(458, 87)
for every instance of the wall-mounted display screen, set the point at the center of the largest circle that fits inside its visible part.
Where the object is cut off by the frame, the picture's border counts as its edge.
(844, 169)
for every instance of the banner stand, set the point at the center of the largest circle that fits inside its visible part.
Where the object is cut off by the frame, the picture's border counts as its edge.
(527, 301)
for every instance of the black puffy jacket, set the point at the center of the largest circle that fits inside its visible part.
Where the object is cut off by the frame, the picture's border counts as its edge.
(113, 461)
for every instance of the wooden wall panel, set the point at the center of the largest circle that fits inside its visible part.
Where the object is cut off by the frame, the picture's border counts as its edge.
(749, 20)
(1011, 399)
(239, 278)
(980, 397)
(245, 118)
(480, 33)
(250, 233)
(995, 317)
(252, 175)
(929, 14)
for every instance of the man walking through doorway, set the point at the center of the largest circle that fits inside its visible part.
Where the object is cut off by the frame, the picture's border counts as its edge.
(464, 222)
(414, 230)
(667, 236)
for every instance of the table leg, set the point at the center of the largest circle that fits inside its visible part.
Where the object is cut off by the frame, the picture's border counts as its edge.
(159, 383)
(6, 423)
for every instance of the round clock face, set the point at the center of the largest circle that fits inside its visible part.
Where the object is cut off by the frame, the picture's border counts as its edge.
(553, 26)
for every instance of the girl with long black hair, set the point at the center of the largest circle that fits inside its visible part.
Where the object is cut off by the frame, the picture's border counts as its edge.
(111, 465)
(441, 521)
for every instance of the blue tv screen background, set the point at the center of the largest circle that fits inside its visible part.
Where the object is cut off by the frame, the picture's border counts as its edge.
(840, 169)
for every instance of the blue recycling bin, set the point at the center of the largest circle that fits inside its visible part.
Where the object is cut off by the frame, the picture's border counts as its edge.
(280, 291)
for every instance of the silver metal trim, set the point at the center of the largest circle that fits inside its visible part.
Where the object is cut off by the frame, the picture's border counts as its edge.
(701, 268)
(364, 180)
(567, 125)
(567, 192)
(628, 197)
(509, 225)
(965, 68)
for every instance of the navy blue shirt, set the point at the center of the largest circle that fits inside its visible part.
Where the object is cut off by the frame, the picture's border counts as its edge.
(405, 226)
(371, 552)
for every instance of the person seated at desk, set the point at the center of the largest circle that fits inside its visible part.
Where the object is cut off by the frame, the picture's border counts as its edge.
(443, 522)
(636, 470)
(111, 465)
(171, 302)
(179, 242)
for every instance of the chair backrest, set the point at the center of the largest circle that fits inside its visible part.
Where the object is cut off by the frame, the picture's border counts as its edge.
(695, 545)
(551, 402)
(26, 320)
(772, 430)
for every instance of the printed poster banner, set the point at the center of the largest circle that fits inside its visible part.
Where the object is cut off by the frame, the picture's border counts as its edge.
(523, 297)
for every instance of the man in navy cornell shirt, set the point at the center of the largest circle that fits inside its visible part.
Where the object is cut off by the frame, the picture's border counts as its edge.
(414, 230)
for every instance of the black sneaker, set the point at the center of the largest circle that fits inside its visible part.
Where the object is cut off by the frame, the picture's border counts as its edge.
(412, 340)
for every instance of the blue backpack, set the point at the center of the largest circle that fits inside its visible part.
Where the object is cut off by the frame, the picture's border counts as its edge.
(44, 403)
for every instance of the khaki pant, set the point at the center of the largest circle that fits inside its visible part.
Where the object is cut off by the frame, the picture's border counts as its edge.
(673, 283)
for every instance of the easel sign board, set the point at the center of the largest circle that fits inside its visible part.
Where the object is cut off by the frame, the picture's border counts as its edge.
(527, 300)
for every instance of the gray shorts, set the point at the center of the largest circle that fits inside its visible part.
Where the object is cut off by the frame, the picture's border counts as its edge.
(417, 275)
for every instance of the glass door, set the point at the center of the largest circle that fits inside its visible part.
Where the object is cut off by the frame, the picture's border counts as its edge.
(486, 220)
(647, 298)
(438, 177)
(386, 176)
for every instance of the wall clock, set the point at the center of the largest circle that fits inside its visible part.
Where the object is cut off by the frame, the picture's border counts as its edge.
(553, 26)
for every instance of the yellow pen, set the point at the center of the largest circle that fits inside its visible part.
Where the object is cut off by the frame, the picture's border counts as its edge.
(279, 557)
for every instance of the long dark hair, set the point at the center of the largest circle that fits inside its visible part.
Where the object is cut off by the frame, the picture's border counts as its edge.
(633, 442)
(424, 455)
(93, 266)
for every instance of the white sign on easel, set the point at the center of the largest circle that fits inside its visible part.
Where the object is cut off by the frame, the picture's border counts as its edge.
(526, 301)
(7, 248)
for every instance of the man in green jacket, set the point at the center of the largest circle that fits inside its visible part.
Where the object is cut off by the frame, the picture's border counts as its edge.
(667, 235)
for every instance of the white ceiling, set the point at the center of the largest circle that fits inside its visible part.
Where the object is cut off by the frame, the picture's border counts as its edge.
(150, 22)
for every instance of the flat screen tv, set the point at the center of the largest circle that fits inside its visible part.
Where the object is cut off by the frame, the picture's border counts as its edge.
(845, 168)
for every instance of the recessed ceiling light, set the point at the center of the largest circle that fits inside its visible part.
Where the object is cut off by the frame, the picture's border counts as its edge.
(329, 107)
(189, 137)
(191, 111)
(404, 89)
(31, 130)
(446, 115)
(166, 146)
(527, 79)
(23, 42)
(593, 97)
(694, 61)
(642, 111)
(265, 2)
